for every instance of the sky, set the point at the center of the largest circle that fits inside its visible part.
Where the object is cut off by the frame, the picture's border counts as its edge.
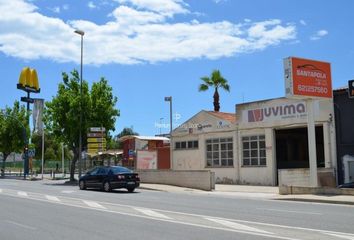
(149, 49)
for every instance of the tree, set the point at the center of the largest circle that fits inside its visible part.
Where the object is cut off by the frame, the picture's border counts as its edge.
(63, 112)
(14, 130)
(217, 81)
(50, 142)
(125, 132)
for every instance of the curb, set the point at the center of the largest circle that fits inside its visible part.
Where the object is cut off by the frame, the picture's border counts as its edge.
(152, 189)
(315, 200)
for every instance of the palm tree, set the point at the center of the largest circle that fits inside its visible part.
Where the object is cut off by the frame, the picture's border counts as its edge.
(217, 81)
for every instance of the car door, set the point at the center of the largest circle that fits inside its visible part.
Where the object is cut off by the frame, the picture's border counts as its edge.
(91, 180)
(101, 176)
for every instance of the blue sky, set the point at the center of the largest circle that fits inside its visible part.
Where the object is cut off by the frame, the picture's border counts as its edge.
(149, 49)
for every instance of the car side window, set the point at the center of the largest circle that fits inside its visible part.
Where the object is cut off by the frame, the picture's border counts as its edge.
(95, 171)
(102, 171)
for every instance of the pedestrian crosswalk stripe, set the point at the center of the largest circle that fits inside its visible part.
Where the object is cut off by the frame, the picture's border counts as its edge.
(22, 194)
(152, 213)
(52, 198)
(343, 236)
(237, 226)
(0, 190)
(93, 204)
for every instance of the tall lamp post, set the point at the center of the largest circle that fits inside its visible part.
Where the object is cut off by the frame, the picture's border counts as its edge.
(169, 99)
(81, 33)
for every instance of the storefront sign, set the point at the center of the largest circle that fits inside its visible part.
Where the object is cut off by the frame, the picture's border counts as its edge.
(276, 112)
(306, 78)
(351, 88)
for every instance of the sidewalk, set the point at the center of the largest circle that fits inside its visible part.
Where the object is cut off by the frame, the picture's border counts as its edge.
(260, 192)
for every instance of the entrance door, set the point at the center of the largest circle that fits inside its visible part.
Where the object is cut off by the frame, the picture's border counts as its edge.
(351, 171)
(292, 148)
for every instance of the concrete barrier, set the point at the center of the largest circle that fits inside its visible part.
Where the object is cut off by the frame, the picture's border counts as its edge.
(285, 190)
(197, 179)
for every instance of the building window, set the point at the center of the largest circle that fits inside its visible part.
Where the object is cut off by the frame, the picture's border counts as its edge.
(254, 151)
(219, 152)
(186, 145)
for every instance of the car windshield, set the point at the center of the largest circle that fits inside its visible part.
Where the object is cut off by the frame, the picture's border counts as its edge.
(117, 170)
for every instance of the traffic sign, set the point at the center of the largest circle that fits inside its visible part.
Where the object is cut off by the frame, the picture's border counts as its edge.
(97, 129)
(96, 145)
(96, 140)
(96, 135)
(351, 88)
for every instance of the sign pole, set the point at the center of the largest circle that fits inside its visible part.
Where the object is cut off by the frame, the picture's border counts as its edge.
(42, 151)
(311, 134)
(62, 158)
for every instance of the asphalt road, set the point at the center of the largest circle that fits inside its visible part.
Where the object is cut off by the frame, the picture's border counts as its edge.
(49, 210)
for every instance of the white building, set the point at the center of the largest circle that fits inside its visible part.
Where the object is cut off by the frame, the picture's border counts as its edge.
(267, 145)
(273, 142)
(207, 141)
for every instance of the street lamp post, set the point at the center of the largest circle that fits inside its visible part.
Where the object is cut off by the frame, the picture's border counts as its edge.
(81, 33)
(169, 99)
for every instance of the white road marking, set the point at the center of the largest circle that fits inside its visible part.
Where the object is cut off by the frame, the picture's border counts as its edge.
(152, 213)
(288, 211)
(67, 191)
(52, 198)
(0, 190)
(93, 204)
(22, 194)
(21, 225)
(237, 226)
(273, 236)
(344, 236)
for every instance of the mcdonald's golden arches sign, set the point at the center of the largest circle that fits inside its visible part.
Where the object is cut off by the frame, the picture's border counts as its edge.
(28, 80)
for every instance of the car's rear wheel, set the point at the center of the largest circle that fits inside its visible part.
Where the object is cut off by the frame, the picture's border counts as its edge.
(107, 187)
(130, 190)
(82, 185)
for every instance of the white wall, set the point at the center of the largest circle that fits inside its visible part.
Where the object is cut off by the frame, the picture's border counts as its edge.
(201, 179)
(196, 159)
(299, 177)
(258, 175)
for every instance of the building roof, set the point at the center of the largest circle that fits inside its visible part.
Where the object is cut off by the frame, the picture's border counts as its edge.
(344, 88)
(146, 138)
(110, 152)
(231, 117)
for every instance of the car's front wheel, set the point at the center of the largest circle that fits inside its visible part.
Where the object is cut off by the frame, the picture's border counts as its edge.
(130, 190)
(82, 185)
(107, 187)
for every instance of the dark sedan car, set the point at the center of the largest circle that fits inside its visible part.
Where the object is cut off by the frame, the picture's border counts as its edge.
(108, 178)
(347, 185)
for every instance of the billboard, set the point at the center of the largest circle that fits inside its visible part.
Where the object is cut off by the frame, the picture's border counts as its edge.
(306, 78)
(146, 159)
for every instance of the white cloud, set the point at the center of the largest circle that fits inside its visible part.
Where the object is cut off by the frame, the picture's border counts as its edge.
(303, 22)
(91, 5)
(136, 34)
(318, 35)
(218, 1)
(55, 9)
(164, 7)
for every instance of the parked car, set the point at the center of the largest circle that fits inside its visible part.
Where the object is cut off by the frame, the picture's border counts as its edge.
(347, 185)
(108, 178)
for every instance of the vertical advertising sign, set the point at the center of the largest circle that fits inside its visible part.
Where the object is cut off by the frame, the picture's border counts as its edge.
(37, 115)
(306, 78)
(351, 88)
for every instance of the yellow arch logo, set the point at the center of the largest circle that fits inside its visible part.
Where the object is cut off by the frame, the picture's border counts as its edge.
(28, 80)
